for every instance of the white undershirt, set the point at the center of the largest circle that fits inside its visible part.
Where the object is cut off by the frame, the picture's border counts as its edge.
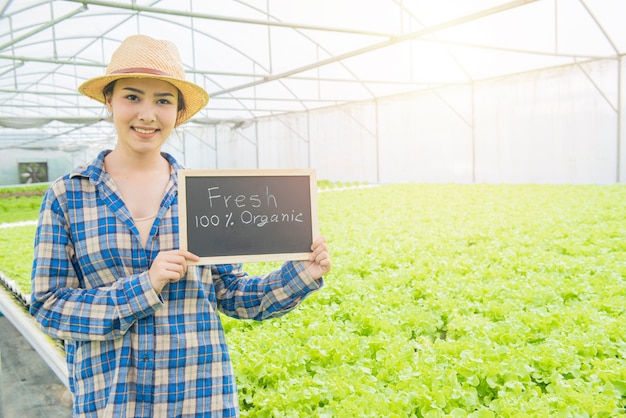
(144, 225)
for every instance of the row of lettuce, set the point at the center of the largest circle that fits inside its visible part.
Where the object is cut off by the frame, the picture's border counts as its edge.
(444, 300)
(21, 203)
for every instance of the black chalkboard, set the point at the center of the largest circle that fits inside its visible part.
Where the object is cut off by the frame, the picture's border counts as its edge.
(229, 216)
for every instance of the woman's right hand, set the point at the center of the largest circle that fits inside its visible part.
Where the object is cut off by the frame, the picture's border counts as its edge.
(169, 267)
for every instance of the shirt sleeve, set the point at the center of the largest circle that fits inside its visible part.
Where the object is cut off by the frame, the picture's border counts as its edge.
(60, 303)
(262, 297)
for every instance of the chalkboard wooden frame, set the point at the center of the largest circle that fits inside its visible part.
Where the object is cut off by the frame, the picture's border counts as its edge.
(301, 225)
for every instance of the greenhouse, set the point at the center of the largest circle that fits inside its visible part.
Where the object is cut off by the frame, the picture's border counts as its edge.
(470, 160)
(380, 91)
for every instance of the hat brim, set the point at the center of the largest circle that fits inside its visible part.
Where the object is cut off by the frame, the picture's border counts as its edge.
(195, 96)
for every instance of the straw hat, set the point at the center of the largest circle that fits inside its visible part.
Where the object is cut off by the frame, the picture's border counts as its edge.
(140, 56)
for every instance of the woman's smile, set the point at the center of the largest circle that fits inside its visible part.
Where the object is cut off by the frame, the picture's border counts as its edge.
(147, 132)
(144, 112)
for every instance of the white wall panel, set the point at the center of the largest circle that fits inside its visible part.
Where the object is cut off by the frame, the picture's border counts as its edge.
(560, 125)
(194, 148)
(343, 142)
(552, 126)
(283, 141)
(59, 162)
(425, 137)
(236, 148)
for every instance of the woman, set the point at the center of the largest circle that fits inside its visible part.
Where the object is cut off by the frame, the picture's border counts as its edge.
(141, 330)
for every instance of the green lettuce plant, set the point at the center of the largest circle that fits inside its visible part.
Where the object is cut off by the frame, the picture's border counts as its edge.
(444, 301)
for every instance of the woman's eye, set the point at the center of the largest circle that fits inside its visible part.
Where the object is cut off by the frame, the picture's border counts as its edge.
(132, 97)
(163, 101)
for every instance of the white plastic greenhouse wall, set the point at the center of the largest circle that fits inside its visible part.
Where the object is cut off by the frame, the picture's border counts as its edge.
(489, 91)
(559, 125)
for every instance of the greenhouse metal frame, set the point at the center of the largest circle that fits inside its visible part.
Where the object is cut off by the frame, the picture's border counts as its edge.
(377, 91)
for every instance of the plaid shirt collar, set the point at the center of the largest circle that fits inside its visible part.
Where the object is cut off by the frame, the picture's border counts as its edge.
(95, 169)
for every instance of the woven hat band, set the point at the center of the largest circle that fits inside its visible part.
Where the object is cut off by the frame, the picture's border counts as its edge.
(142, 71)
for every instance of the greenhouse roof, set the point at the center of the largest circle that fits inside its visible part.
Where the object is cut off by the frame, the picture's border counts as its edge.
(258, 58)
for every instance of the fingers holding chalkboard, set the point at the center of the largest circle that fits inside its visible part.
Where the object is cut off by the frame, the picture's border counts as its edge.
(319, 262)
(169, 267)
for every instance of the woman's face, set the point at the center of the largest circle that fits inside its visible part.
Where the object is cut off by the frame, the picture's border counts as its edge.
(144, 112)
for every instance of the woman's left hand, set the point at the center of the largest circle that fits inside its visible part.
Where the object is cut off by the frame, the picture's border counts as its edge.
(318, 263)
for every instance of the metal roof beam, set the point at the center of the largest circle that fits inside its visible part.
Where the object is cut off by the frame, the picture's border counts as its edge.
(24, 59)
(602, 28)
(41, 28)
(172, 12)
(380, 45)
(6, 5)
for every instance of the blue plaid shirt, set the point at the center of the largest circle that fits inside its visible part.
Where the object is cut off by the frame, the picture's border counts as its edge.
(131, 352)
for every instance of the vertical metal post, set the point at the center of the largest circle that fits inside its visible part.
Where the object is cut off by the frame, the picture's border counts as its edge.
(473, 93)
(308, 137)
(1, 393)
(256, 144)
(620, 118)
(377, 141)
(217, 161)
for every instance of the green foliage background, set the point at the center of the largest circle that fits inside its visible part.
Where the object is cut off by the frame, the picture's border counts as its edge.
(444, 300)
(20, 203)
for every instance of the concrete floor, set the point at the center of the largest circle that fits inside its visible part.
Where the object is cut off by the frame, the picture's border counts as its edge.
(28, 387)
